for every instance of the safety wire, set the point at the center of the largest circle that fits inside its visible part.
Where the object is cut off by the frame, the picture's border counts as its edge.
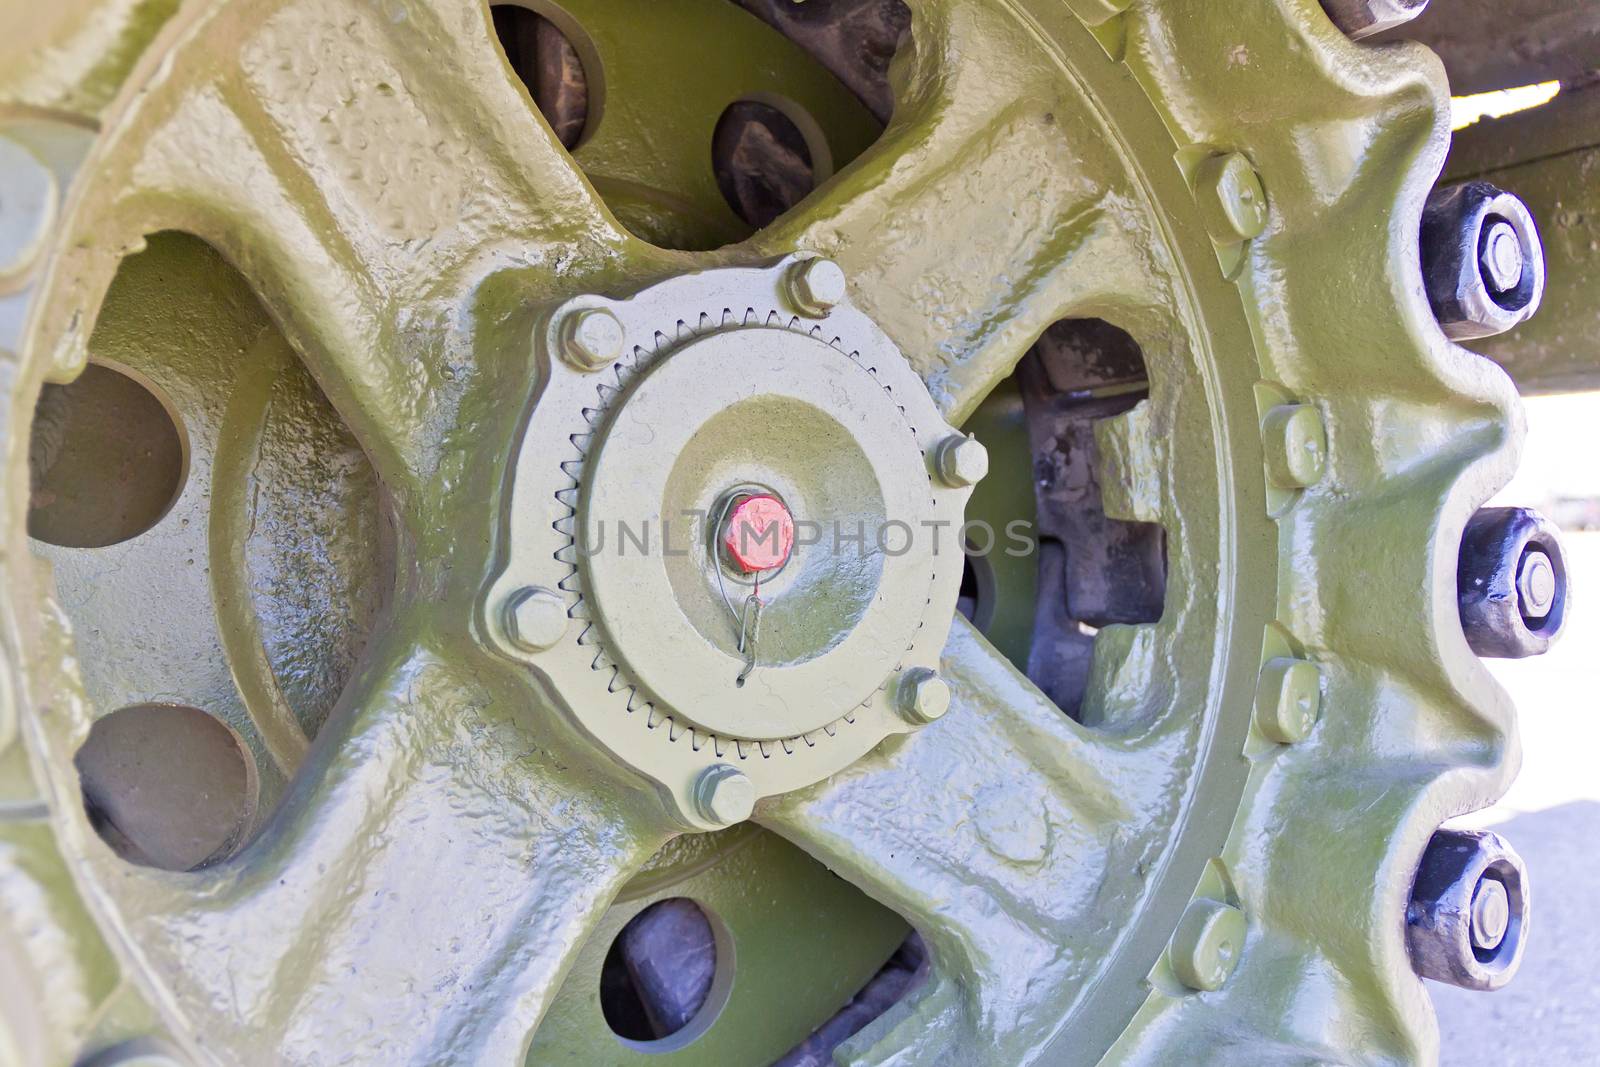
(748, 615)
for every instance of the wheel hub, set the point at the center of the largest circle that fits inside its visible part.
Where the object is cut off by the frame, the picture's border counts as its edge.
(721, 631)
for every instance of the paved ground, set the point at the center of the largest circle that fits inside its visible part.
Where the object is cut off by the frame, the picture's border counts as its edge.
(1550, 1015)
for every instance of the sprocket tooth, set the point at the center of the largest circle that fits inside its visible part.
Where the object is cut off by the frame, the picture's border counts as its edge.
(705, 323)
(729, 318)
(567, 554)
(743, 749)
(573, 468)
(655, 718)
(788, 746)
(675, 730)
(568, 497)
(718, 747)
(766, 749)
(582, 442)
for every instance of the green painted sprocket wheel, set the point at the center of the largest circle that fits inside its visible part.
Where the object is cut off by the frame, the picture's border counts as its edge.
(343, 222)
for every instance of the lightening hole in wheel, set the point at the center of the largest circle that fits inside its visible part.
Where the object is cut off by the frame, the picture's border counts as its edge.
(166, 785)
(106, 460)
(549, 65)
(1083, 570)
(666, 976)
(763, 161)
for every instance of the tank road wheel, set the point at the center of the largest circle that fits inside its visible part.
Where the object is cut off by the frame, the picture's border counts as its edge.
(438, 537)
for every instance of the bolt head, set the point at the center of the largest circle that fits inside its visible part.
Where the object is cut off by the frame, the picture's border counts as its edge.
(1296, 446)
(1491, 914)
(962, 461)
(1288, 700)
(1363, 18)
(1206, 946)
(1231, 198)
(758, 534)
(723, 795)
(816, 286)
(591, 338)
(535, 618)
(1501, 257)
(1536, 584)
(923, 696)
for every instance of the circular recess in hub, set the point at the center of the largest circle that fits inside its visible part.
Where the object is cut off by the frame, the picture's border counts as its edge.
(772, 410)
(106, 458)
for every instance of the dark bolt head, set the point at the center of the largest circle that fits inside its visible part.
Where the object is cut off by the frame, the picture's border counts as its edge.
(1482, 262)
(1467, 920)
(1511, 583)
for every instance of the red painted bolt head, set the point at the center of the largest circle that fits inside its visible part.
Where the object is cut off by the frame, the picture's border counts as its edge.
(758, 534)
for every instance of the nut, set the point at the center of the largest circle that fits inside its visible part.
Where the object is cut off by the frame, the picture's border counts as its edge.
(922, 696)
(1511, 583)
(1232, 201)
(816, 286)
(591, 338)
(1468, 914)
(1296, 446)
(1482, 261)
(1206, 946)
(723, 795)
(1288, 699)
(535, 618)
(961, 461)
(1363, 18)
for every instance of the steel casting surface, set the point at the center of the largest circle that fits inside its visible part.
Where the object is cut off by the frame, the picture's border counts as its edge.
(336, 244)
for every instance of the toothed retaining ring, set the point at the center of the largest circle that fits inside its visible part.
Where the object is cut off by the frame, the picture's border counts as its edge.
(673, 665)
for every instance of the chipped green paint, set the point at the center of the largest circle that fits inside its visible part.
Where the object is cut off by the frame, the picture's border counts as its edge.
(380, 181)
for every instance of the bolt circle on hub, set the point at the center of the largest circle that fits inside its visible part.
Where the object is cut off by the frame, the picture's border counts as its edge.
(662, 493)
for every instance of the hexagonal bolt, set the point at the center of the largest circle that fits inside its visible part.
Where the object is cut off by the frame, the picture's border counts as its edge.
(815, 286)
(723, 795)
(961, 461)
(1296, 446)
(535, 618)
(1363, 18)
(1482, 261)
(1207, 944)
(921, 696)
(1468, 914)
(1288, 699)
(1511, 583)
(591, 338)
(1232, 201)
(27, 209)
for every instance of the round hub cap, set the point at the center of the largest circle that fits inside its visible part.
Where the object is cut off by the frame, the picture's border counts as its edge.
(744, 517)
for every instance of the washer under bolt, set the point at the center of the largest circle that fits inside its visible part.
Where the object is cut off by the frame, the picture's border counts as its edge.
(1482, 261)
(723, 795)
(1206, 946)
(922, 696)
(1511, 583)
(961, 461)
(1288, 699)
(815, 286)
(1232, 201)
(591, 338)
(535, 618)
(1467, 919)
(1296, 445)
(1363, 18)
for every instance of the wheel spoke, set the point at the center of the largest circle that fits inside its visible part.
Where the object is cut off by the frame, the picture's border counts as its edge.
(367, 169)
(977, 220)
(997, 831)
(419, 899)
